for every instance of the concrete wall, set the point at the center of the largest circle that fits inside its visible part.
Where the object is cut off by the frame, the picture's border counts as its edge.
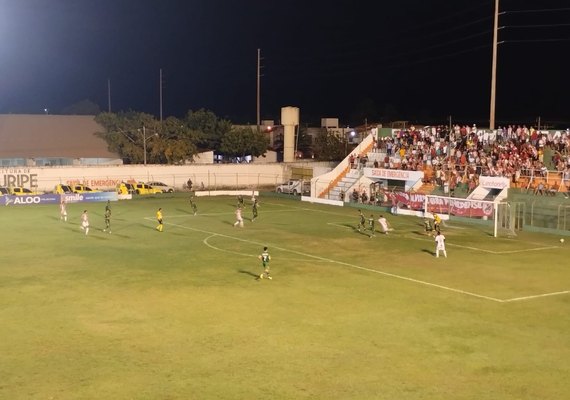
(212, 176)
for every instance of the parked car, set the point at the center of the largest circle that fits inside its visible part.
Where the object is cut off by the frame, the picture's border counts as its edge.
(22, 191)
(126, 188)
(162, 186)
(83, 189)
(295, 187)
(143, 188)
(63, 189)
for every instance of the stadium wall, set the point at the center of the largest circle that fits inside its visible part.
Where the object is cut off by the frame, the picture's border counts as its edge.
(211, 176)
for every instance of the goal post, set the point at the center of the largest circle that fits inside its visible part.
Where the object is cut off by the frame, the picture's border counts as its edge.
(495, 214)
(509, 217)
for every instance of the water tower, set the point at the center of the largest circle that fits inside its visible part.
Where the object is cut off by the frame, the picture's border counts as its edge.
(289, 120)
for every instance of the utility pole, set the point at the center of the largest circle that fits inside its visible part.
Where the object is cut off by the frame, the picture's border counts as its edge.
(144, 144)
(494, 67)
(145, 140)
(258, 88)
(109, 94)
(160, 95)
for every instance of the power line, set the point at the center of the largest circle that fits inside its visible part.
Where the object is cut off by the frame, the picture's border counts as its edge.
(535, 26)
(537, 40)
(537, 10)
(449, 16)
(349, 63)
(462, 25)
(376, 68)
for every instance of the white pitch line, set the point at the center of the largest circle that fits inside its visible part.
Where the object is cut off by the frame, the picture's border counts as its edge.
(488, 251)
(349, 265)
(207, 243)
(525, 250)
(452, 244)
(536, 296)
(216, 214)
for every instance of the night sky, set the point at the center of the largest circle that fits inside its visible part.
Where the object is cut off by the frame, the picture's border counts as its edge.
(410, 59)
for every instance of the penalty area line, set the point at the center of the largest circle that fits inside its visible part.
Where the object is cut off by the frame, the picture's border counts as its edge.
(536, 296)
(485, 250)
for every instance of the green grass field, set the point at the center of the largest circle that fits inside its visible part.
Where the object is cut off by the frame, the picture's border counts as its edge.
(139, 314)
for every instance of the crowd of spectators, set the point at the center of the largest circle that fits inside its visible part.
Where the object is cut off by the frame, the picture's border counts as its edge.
(462, 154)
(456, 157)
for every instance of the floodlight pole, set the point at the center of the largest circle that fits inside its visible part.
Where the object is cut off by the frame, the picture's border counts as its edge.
(494, 67)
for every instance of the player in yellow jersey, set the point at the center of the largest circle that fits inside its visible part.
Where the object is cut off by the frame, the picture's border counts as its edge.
(437, 222)
(160, 226)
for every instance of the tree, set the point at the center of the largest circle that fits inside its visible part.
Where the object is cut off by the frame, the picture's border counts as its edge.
(130, 133)
(209, 129)
(304, 142)
(176, 143)
(240, 142)
(328, 147)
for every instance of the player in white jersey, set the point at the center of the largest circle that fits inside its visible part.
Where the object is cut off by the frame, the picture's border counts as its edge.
(239, 218)
(85, 222)
(383, 224)
(440, 244)
(63, 210)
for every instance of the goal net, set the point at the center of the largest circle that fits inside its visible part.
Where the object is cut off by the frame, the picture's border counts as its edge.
(509, 219)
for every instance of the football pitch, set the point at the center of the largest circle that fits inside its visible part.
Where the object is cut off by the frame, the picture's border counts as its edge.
(180, 314)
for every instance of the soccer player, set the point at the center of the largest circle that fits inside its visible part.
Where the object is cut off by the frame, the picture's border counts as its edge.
(428, 227)
(361, 222)
(384, 224)
(85, 222)
(440, 244)
(371, 226)
(160, 226)
(193, 205)
(107, 219)
(239, 218)
(108, 206)
(63, 210)
(254, 209)
(265, 258)
(240, 202)
(436, 222)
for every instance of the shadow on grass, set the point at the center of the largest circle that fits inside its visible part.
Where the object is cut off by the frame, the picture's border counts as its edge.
(431, 253)
(363, 233)
(241, 271)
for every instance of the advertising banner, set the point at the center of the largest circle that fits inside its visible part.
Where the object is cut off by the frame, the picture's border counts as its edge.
(394, 174)
(442, 205)
(460, 208)
(52, 198)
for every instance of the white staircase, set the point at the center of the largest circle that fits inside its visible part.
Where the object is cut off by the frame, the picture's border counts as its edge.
(329, 185)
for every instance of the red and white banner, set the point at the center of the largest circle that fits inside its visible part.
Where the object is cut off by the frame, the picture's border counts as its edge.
(443, 205)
